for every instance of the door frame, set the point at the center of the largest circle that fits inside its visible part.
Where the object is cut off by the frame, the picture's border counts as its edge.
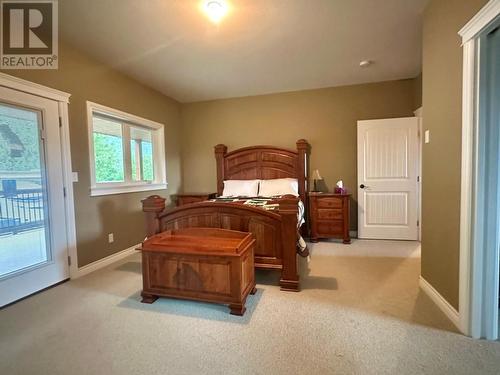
(476, 292)
(62, 98)
(419, 113)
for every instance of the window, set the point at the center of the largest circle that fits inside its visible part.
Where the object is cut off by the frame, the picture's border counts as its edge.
(127, 153)
(141, 154)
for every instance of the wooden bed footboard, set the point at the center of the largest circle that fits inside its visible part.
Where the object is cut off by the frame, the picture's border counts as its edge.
(275, 231)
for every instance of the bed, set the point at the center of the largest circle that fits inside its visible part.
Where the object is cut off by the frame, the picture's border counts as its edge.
(275, 230)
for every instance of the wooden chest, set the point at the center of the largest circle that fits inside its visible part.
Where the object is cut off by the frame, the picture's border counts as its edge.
(204, 264)
(329, 214)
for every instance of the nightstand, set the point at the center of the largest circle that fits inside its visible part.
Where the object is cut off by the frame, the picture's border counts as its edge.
(329, 216)
(186, 198)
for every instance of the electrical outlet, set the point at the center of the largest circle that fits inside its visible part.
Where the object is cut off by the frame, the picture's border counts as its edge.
(427, 136)
(111, 238)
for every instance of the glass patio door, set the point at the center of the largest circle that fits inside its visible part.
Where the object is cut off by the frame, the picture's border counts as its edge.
(33, 245)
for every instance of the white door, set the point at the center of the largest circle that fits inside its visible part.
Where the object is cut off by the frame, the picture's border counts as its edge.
(33, 244)
(387, 178)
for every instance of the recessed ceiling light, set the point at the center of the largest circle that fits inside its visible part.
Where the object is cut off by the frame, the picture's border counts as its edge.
(215, 9)
(365, 63)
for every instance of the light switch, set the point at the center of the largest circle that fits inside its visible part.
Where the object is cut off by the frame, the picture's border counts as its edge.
(74, 176)
(427, 136)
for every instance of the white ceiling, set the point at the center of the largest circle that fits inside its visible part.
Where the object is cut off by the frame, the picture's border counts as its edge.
(262, 46)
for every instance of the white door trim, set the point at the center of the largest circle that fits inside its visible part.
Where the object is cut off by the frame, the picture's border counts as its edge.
(63, 99)
(472, 265)
(32, 88)
(68, 183)
(419, 112)
(480, 21)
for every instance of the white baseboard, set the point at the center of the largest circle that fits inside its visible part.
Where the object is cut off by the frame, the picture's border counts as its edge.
(98, 264)
(439, 300)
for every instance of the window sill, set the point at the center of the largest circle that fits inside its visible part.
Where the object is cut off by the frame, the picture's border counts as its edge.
(110, 190)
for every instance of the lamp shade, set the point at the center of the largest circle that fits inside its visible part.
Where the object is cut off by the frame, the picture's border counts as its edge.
(316, 175)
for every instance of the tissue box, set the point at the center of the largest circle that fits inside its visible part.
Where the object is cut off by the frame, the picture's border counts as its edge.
(339, 190)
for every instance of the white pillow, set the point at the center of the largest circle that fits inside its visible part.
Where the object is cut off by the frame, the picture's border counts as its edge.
(279, 186)
(240, 188)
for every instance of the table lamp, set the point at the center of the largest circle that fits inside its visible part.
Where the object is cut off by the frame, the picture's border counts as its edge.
(316, 178)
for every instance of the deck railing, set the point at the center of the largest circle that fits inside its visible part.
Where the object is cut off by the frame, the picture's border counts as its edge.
(21, 210)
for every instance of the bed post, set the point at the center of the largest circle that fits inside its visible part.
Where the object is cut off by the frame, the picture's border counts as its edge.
(303, 150)
(220, 153)
(153, 206)
(289, 275)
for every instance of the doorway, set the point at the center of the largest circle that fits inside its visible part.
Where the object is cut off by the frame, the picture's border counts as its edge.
(33, 235)
(480, 200)
(488, 189)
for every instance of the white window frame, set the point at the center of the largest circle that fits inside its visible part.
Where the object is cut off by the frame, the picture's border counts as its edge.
(128, 186)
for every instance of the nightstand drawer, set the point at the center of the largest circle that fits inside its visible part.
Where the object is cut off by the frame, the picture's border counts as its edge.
(330, 214)
(326, 202)
(330, 227)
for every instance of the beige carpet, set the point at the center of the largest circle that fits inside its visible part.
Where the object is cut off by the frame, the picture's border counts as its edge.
(355, 315)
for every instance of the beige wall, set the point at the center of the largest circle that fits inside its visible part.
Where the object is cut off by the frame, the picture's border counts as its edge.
(85, 79)
(442, 96)
(325, 117)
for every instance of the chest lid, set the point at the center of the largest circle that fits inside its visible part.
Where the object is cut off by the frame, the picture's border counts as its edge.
(200, 241)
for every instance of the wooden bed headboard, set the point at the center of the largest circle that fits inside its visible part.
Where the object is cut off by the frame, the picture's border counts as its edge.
(264, 163)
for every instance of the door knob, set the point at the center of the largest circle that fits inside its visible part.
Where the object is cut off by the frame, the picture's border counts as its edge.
(362, 186)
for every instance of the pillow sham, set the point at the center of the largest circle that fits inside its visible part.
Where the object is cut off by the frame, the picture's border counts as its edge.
(240, 188)
(279, 186)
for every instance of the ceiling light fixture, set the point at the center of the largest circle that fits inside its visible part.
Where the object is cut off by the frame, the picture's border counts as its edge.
(215, 9)
(365, 63)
